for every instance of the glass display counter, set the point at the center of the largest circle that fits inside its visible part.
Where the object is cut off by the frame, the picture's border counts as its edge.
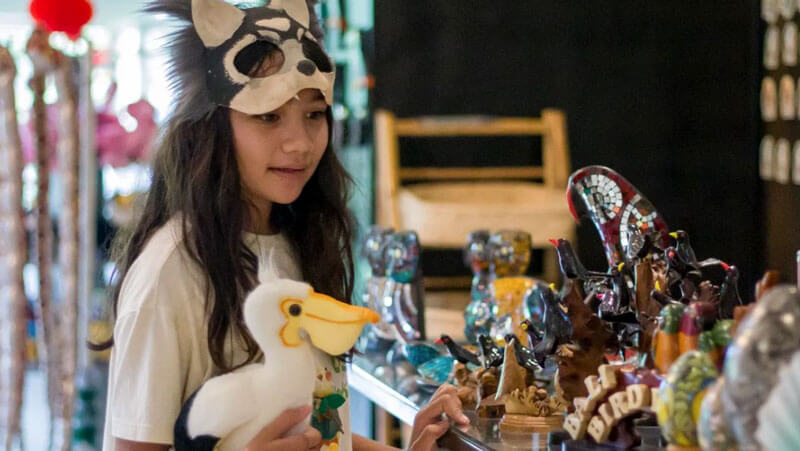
(367, 375)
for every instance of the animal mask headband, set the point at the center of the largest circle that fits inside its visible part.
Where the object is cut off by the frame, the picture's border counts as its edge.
(254, 59)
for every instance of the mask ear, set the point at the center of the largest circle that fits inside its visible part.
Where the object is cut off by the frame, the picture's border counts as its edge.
(296, 9)
(215, 21)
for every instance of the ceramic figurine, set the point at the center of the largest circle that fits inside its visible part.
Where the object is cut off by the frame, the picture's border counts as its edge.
(764, 342)
(713, 431)
(777, 418)
(374, 250)
(478, 314)
(287, 319)
(403, 292)
(715, 341)
(615, 207)
(680, 396)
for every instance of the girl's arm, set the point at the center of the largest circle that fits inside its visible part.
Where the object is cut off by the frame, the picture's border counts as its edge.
(361, 443)
(429, 424)
(270, 438)
(127, 445)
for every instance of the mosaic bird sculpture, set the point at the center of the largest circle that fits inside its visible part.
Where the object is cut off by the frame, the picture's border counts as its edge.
(615, 207)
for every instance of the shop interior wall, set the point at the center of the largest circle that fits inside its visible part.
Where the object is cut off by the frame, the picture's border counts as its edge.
(663, 92)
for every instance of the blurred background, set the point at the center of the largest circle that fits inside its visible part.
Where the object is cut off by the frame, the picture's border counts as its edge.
(674, 96)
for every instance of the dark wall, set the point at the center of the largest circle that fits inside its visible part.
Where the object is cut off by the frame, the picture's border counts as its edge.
(663, 92)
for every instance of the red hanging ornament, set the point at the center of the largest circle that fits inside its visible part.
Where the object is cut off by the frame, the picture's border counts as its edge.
(68, 16)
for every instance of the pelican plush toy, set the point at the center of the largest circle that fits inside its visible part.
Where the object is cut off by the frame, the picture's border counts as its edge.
(286, 318)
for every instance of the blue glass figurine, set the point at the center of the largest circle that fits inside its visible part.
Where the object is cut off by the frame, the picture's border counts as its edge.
(478, 314)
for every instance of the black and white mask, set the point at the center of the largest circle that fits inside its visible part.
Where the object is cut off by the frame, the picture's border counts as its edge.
(239, 74)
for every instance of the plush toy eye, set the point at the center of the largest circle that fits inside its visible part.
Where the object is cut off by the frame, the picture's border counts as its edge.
(295, 310)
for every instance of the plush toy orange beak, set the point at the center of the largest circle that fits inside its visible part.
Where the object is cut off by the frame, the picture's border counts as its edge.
(331, 325)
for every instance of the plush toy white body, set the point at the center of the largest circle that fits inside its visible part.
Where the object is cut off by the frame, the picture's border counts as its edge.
(283, 316)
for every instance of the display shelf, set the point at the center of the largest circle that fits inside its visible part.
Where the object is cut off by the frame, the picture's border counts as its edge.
(381, 394)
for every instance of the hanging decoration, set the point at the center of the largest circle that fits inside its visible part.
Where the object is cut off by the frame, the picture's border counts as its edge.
(69, 240)
(13, 317)
(67, 16)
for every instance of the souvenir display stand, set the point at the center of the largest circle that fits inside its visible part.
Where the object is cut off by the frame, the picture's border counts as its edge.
(659, 351)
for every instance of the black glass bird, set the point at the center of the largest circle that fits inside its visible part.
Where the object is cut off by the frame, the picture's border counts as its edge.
(570, 264)
(534, 335)
(491, 353)
(525, 356)
(458, 352)
(729, 293)
(683, 247)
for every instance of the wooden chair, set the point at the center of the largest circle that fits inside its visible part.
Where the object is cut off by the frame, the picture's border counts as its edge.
(444, 204)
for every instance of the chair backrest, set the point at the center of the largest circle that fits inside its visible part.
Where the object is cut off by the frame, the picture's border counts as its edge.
(551, 126)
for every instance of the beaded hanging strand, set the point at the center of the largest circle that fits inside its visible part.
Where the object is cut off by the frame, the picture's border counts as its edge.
(68, 243)
(14, 248)
(42, 56)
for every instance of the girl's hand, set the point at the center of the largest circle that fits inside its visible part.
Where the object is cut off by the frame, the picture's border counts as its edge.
(429, 425)
(271, 437)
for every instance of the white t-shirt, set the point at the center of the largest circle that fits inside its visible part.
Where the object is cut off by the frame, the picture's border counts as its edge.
(160, 354)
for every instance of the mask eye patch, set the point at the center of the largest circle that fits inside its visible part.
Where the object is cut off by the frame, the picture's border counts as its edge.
(259, 59)
(312, 51)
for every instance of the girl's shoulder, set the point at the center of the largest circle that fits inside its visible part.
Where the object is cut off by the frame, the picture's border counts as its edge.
(163, 275)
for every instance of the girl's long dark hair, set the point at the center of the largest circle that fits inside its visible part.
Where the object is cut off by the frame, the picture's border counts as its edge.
(195, 175)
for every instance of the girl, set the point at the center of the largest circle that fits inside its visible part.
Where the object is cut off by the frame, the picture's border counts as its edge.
(245, 181)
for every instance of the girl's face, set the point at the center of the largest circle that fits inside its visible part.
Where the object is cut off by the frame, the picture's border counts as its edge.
(277, 152)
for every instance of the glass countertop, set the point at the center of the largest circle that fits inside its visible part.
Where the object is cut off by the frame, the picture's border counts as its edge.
(402, 397)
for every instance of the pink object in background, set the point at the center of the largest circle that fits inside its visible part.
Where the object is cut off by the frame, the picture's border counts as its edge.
(115, 145)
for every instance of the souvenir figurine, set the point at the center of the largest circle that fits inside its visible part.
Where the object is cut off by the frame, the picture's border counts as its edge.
(438, 370)
(615, 207)
(680, 396)
(556, 328)
(777, 418)
(591, 339)
(419, 353)
(510, 252)
(764, 342)
(374, 250)
(403, 291)
(460, 353)
(478, 314)
(509, 294)
(713, 431)
(491, 354)
(288, 320)
(616, 395)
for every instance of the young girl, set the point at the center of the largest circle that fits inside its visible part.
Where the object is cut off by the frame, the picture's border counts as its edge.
(245, 182)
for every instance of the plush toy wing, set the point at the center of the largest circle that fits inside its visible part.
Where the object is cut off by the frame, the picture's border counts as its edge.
(202, 422)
